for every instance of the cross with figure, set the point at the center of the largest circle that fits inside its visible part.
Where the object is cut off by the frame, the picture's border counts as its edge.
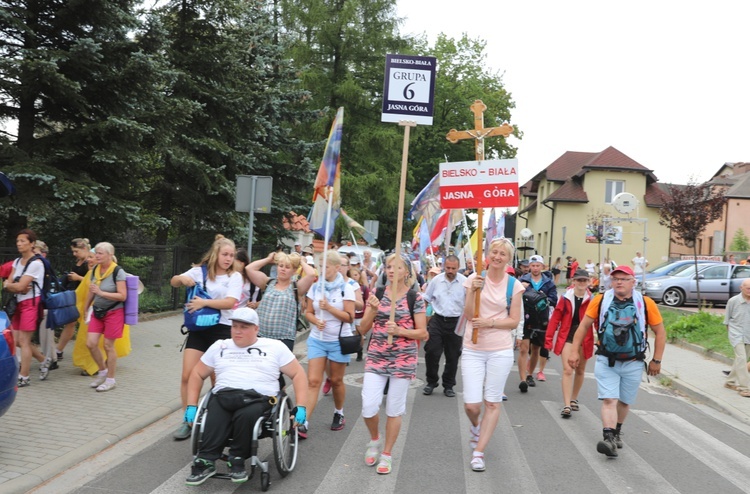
(479, 132)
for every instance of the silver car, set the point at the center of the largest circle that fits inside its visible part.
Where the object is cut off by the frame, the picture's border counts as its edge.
(718, 283)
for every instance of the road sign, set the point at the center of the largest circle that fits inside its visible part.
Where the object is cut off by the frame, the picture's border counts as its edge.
(246, 195)
(479, 184)
(409, 89)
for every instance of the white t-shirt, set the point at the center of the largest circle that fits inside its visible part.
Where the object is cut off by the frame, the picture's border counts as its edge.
(36, 271)
(222, 287)
(590, 268)
(639, 264)
(247, 296)
(331, 330)
(252, 367)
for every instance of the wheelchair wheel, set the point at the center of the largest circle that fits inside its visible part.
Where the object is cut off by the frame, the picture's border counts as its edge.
(265, 481)
(196, 436)
(285, 439)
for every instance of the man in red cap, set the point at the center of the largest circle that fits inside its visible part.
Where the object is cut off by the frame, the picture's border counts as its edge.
(621, 316)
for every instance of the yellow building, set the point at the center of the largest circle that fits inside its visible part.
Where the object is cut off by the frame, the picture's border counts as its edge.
(564, 205)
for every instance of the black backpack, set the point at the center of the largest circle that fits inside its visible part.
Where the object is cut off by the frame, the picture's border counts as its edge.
(535, 309)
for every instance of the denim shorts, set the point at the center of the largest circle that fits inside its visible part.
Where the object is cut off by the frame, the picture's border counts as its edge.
(328, 349)
(619, 382)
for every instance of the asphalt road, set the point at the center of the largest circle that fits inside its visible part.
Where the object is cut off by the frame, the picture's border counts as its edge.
(671, 445)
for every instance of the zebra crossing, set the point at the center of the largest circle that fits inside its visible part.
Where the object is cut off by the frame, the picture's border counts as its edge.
(667, 450)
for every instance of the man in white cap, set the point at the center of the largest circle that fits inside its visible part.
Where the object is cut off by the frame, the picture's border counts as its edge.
(247, 374)
(539, 284)
(298, 247)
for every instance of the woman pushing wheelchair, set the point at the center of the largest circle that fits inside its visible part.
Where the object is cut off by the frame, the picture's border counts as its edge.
(247, 381)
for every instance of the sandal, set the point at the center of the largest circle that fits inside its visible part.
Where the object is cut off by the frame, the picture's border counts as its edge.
(474, 438)
(745, 393)
(385, 465)
(566, 412)
(574, 405)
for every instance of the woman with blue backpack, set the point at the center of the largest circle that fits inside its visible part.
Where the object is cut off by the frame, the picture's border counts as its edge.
(217, 276)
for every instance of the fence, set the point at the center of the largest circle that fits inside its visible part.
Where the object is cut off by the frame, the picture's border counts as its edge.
(153, 264)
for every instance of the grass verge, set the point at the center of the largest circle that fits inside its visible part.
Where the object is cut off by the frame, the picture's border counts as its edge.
(701, 328)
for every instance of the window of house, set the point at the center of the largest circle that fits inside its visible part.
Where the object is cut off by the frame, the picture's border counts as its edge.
(613, 188)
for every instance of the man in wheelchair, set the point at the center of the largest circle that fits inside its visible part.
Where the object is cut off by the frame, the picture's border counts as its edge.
(247, 381)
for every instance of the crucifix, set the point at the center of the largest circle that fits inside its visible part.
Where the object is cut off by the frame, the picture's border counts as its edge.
(479, 133)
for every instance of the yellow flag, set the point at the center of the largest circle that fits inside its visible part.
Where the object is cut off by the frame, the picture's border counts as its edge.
(473, 241)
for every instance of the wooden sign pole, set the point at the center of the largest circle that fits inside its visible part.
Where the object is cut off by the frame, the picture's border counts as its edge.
(478, 134)
(400, 219)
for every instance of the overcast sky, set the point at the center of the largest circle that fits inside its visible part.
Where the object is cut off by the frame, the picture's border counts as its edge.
(664, 82)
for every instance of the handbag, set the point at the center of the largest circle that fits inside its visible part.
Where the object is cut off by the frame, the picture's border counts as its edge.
(204, 318)
(61, 309)
(349, 344)
(10, 306)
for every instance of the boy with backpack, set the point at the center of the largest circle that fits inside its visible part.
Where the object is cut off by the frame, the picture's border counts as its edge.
(621, 316)
(540, 295)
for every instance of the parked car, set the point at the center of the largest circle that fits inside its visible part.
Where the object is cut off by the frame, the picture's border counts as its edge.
(669, 268)
(718, 282)
(360, 251)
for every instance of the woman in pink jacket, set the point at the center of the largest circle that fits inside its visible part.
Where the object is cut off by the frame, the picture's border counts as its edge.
(566, 317)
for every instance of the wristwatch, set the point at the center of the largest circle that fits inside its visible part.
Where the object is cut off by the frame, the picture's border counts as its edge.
(656, 361)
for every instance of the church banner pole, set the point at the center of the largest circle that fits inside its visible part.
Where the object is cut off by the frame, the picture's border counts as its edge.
(407, 125)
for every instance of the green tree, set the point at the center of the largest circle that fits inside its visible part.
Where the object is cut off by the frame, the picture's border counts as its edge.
(231, 72)
(688, 210)
(740, 242)
(340, 47)
(72, 79)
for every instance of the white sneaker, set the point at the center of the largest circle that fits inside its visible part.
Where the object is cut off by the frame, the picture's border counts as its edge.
(107, 385)
(477, 463)
(44, 369)
(98, 380)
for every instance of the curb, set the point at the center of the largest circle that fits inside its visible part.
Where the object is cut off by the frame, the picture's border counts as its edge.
(709, 400)
(48, 471)
(701, 351)
(38, 476)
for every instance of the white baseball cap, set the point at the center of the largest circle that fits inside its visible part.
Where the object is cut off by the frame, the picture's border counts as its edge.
(246, 315)
(539, 259)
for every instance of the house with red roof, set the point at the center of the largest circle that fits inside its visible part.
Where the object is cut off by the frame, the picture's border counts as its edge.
(563, 206)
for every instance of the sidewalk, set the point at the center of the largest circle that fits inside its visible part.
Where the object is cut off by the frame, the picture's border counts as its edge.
(58, 423)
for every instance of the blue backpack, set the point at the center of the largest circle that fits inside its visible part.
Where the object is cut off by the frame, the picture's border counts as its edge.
(620, 335)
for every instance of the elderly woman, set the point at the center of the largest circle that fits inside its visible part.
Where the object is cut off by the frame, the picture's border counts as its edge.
(107, 292)
(566, 317)
(224, 286)
(394, 364)
(485, 365)
(330, 310)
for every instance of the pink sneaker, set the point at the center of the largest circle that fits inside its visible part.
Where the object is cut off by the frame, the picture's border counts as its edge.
(327, 387)
(540, 376)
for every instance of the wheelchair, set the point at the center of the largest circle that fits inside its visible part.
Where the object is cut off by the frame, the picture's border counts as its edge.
(277, 423)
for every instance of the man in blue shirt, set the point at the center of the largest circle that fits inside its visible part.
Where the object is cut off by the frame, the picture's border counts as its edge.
(446, 294)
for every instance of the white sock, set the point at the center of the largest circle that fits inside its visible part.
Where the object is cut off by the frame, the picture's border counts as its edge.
(110, 380)
(103, 373)
(341, 412)
(478, 454)
(475, 430)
